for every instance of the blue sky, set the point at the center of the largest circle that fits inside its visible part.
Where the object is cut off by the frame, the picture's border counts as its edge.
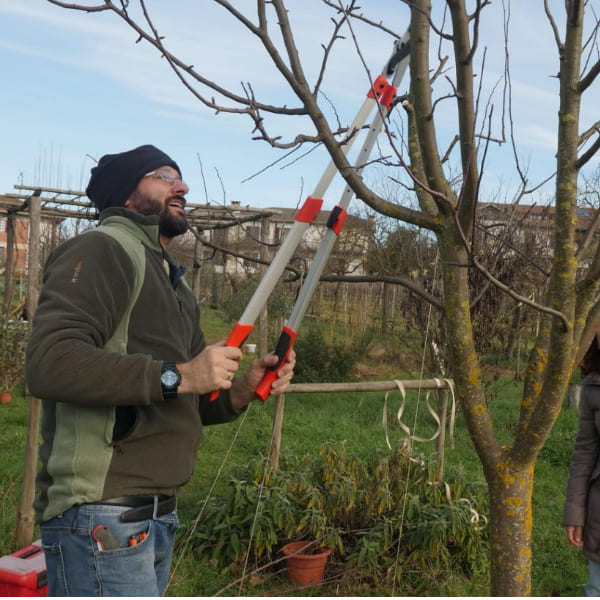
(76, 86)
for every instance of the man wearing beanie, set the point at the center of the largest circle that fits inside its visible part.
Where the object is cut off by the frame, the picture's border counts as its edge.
(125, 376)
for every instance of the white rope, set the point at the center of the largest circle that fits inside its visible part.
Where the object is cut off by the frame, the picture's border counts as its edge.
(255, 519)
(452, 423)
(432, 412)
(408, 439)
(208, 496)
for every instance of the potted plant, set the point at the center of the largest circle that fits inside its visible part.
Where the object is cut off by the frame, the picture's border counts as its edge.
(305, 562)
(13, 341)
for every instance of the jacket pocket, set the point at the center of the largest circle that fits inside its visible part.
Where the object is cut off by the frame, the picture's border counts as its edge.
(125, 422)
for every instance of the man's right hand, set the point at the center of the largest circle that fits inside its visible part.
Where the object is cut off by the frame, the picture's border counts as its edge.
(210, 370)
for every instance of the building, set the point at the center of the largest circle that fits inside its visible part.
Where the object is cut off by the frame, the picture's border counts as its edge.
(12, 210)
(21, 231)
(250, 235)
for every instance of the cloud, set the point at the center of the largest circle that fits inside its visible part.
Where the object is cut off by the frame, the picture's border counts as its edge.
(537, 136)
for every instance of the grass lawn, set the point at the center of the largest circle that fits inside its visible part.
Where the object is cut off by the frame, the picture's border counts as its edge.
(310, 421)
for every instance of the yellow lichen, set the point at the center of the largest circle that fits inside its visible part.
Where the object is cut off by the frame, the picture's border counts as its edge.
(478, 410)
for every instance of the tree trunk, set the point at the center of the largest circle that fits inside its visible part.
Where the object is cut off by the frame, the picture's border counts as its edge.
(510, 532)
(513, 334)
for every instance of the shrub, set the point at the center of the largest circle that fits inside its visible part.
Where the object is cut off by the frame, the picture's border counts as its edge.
(383, 519)
(279, 303)
(14, 334)
(323, 361)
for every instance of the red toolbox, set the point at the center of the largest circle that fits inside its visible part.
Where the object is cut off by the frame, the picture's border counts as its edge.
(23, 573)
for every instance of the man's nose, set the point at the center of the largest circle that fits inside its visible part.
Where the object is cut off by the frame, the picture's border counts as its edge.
(180, 187)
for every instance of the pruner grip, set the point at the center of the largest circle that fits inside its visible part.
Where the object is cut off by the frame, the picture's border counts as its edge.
(282, 350)
(239, 334)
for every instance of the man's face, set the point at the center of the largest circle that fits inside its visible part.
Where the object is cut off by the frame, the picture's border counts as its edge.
(162, 193)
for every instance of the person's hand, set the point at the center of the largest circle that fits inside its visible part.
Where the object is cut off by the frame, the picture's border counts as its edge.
(210, 370)
(243, 389)
(574, 535)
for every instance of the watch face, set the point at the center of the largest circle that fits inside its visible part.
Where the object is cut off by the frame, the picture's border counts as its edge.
(169, 379)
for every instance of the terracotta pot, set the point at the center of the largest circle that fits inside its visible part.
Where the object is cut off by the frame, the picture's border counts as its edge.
(305, 569)
(5, 397)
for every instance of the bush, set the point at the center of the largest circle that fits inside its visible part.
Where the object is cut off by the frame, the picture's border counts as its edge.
(279, 303)
(322, 361)
(383, 520)
(14, 334)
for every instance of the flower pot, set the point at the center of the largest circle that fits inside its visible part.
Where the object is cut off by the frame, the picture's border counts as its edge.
(5, 397)
(305, 569)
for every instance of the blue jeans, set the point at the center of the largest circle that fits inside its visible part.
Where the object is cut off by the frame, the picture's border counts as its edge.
(592, 587)
(78, 566)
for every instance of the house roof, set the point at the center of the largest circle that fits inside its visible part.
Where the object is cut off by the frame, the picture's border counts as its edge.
(530, 215)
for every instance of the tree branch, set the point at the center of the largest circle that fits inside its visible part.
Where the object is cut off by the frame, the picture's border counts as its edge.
(588, 154)
(395, 280)
(588, 79)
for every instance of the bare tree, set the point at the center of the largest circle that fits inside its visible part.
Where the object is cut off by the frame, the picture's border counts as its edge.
(447, 198)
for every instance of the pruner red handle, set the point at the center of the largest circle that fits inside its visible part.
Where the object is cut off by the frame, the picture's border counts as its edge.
(239, 334)
(283, 348)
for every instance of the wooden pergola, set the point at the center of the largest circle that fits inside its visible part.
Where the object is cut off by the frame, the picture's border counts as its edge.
(56, 205)
(65, 204)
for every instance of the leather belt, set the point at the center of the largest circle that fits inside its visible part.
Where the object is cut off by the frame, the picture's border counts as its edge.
(143, 508)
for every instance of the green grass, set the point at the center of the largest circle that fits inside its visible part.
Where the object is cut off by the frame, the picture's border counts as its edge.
(310, 421)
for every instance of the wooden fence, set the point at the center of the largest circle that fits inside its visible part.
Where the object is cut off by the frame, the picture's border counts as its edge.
(445, 409)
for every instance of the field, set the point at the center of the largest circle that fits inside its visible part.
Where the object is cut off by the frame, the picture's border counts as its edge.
(310, 421)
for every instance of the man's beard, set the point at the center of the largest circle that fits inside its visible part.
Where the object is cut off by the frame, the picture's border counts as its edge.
(169, 224)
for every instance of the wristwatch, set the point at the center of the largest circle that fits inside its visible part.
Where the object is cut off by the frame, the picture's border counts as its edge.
(170, 378)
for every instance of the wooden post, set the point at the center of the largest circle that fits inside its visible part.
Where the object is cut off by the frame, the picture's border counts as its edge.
(275, 447)
(442, 404)
(9, 276)
(366, 386)
(385, 305)
(574, 395)
(25, 521)
(263, 318)
(196, 271)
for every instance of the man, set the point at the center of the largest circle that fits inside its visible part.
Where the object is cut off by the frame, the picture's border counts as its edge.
(119, 359)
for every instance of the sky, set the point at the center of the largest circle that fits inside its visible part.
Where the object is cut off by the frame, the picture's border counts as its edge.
(76, 86)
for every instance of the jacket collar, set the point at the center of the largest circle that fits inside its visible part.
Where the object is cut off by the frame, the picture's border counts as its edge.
(144, 227)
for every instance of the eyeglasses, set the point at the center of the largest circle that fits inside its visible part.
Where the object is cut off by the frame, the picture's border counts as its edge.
(165, 176)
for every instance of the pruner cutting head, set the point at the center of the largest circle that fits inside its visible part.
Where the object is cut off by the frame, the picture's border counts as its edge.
(401, 51)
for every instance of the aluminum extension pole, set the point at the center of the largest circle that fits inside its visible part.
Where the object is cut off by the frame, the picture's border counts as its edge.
(305, 216)
(395, 68)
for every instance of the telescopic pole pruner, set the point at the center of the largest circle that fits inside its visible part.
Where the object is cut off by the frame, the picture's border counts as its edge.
(380, 94)
(395, 69)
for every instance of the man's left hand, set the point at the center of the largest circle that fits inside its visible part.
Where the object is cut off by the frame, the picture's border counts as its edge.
(243, 388)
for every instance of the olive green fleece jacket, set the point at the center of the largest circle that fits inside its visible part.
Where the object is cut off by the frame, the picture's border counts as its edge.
(106, 430)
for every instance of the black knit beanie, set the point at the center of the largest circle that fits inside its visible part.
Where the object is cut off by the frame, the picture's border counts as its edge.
(116, 175)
